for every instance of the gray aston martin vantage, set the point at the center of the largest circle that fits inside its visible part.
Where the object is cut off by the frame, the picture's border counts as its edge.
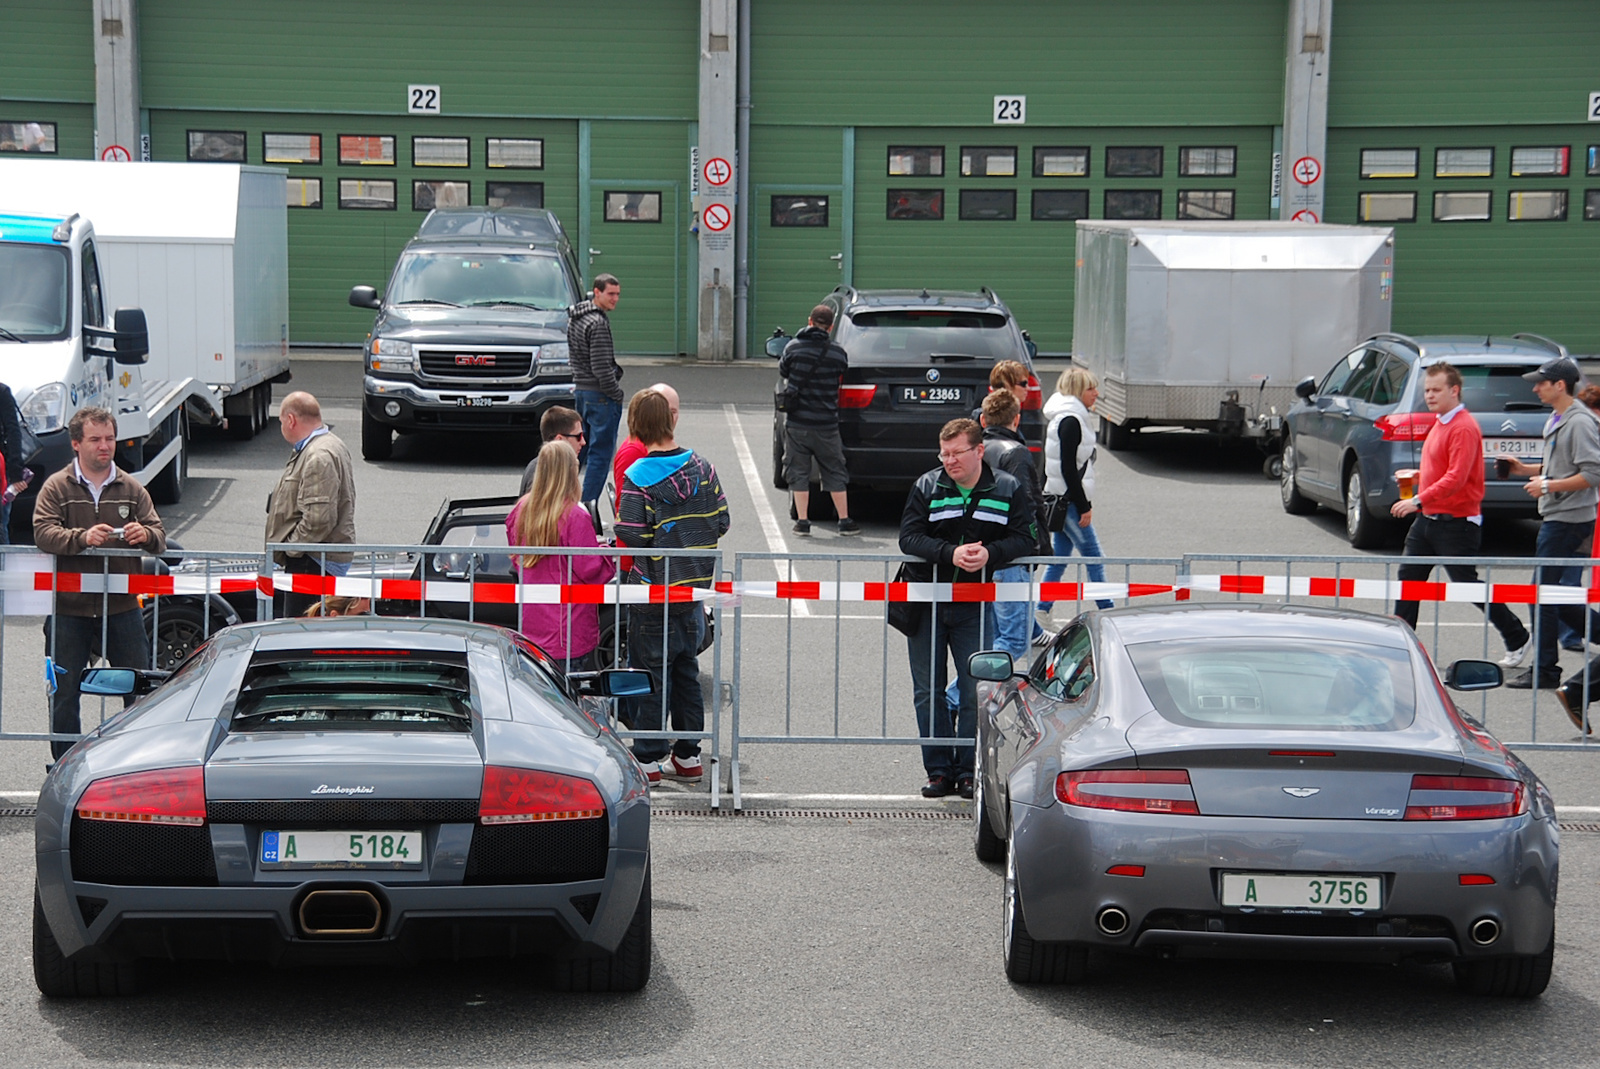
(1256, 781)
(347, 790)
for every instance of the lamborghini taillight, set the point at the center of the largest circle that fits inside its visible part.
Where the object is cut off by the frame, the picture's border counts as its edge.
(159, 796)
(524, 795)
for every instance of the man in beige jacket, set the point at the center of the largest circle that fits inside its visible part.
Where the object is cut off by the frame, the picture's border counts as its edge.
(90, 504)
(315, 500)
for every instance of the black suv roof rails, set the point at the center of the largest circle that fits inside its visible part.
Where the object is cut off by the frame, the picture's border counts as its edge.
(1403, 339)
(1543, 342)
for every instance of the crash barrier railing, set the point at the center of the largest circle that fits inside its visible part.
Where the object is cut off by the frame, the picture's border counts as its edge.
(1448, 621)
(473, 581)
(182, 595)
(851, 592)
(864, 698)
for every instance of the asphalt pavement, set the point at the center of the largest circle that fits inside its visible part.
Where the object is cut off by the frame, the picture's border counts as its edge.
(857, 929)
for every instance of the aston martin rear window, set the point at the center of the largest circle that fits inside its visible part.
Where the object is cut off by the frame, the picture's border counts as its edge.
(1287, 685)
(355, 690)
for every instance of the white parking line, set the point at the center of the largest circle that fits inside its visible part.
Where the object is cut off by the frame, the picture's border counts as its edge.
(770, 528)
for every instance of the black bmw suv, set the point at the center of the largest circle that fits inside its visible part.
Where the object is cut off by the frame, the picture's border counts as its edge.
(471, 334)
(917, 359)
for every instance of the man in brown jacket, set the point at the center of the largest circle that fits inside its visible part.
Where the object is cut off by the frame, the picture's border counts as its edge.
(315, 500)
(90, 504)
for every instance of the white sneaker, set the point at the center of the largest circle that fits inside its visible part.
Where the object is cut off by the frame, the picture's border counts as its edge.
(682, 767)
(1514, 658)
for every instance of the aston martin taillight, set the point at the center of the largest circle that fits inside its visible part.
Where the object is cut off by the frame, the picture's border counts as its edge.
(160, 796)
(1465, 798)
(525, 795)
(1129, 789)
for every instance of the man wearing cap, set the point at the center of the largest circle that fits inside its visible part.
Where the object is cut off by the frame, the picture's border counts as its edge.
(1564, 486)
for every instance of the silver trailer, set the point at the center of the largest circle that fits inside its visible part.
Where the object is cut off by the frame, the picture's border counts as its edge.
(1208, 325)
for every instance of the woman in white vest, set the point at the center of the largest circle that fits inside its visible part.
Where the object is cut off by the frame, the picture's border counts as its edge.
(1069, 472)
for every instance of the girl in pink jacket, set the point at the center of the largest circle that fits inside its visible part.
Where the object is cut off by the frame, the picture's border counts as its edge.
(550, 515)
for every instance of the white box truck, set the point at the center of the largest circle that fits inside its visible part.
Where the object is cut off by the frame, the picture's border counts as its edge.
(200, 249)
(1209, 325)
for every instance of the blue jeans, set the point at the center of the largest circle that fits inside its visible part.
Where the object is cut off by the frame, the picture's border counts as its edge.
(948, 631)
(1557, 539)
(77, 638)
(666, 648)
(1082, 539)
(601, 415)
(1007, 625)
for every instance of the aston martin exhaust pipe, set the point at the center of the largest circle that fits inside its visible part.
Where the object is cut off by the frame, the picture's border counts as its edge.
(341, 914)
(1111, 920)
(1484, 930)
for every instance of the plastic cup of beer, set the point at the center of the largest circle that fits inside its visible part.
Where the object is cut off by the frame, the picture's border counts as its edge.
(1407, 478)
(1502, 467)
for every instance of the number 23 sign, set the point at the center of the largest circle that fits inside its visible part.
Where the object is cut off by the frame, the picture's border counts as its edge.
(1010, 110)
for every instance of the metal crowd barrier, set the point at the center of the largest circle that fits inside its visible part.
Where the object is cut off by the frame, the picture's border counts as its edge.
(863, 697)
(473, 581)
(181, 595)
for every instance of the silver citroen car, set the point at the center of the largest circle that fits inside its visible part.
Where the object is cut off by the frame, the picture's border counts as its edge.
(347, 790)
(1259, 781)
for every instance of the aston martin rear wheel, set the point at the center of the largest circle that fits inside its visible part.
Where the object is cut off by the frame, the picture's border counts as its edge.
(60, 977)
(1513, 976)
(1029, 961)
(625, 969)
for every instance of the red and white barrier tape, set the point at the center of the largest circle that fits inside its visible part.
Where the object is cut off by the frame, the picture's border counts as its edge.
(1385, 590)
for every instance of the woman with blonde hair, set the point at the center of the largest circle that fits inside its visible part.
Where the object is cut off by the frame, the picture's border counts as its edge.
(551, 515)
(1069, 449)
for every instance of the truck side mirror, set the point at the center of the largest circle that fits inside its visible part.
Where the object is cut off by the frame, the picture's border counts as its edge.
(1029, 344)
(776, 343)
(1305, 388)
(364, 297)
(131, 336)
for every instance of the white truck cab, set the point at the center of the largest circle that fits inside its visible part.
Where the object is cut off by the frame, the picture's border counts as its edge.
(61, 349)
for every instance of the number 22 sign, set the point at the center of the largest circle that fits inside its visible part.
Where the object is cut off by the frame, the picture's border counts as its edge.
(1010, 110)
(422, 99)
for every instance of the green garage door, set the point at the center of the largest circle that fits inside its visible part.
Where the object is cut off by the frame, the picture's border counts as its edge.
(961, 208)
(798, 250)
(360, 185)
(638, 231)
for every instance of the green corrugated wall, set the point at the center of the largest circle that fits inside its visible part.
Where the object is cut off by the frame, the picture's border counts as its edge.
(47, 74)
(1430, 74)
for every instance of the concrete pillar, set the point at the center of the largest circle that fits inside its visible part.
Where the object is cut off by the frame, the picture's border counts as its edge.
(1305, 109)
(116, 78)
(716, 204)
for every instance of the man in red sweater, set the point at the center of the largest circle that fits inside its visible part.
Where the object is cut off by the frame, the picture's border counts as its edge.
(1450, 499)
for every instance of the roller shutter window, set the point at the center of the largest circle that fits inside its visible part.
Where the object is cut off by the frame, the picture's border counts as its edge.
(441, 152)
(1387, 208)
(304, 192)
(518, 153)
(428, 194)
(27, 136)
(367, 194)
(1463, 163)
(366, 150)
(988, 161)
(1591, 204)
(1133, 204)
(1061, 161)
(1134, 162)
(915, 204)
(291, 148)
(514, 194)
(1388, 163)
(1218, 162)
(1541, 162)
(1536, 205)
(988, 204)
(1205, 204)
(1462, 207)
(916, 161)
(1063, 205)
(217, 146)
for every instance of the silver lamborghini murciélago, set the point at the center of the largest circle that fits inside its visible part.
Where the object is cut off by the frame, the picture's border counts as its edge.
(347, 790)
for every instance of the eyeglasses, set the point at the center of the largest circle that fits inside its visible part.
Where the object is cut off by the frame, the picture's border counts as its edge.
(951, 458)
(577, 436)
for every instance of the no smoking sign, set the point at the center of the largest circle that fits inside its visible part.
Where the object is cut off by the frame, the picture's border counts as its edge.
(717, 217)
(717, 171)
(1307, 170)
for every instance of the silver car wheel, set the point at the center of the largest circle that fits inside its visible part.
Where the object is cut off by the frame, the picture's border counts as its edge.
(1009, 898)
(1353, 505)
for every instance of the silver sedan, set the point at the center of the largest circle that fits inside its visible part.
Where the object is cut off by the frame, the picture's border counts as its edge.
(1259, 781)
